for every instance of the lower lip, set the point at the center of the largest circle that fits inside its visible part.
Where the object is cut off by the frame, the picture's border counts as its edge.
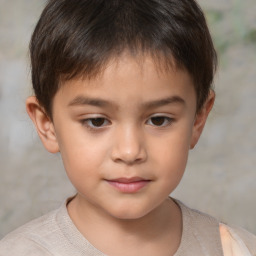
(130, 187)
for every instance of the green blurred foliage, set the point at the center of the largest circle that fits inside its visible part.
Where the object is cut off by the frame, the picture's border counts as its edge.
(230, 27)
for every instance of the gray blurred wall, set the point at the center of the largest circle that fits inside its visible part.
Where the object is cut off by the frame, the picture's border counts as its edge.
(220, 177)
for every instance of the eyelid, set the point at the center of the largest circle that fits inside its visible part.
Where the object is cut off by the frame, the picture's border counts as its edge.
(85, 121)
(162, 115)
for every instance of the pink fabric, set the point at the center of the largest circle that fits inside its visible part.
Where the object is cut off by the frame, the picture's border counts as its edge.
(232, 243)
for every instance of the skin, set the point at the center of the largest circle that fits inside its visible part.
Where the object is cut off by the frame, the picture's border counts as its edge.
(132, 122)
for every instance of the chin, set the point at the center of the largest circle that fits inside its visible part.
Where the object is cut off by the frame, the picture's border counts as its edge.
(129, 213)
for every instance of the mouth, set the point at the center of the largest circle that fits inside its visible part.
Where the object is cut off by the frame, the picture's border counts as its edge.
(129, 185)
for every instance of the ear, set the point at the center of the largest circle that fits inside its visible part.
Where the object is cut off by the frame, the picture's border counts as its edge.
(201, 118)
(43, 124)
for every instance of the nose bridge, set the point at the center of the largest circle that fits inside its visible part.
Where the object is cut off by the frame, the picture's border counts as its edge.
(128, 145)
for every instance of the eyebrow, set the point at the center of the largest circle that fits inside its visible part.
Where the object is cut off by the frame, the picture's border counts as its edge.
(97, 102)
(163, 102)
(81, 100)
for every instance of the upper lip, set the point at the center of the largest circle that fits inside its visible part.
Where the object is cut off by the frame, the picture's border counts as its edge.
(128, 180)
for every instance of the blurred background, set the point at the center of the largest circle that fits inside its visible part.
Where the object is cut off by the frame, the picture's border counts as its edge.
(221, 174)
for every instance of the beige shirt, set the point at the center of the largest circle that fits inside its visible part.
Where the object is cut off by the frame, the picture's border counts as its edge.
(55, 234)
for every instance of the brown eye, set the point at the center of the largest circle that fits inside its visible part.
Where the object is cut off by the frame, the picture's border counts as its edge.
(97, 122)
(159, 121)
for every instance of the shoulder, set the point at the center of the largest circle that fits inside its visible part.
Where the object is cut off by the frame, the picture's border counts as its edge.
(31, 238)
(51, 234)
(229, 241)
(197, 220)
(237, 241)
(21, 246)
(200, 234)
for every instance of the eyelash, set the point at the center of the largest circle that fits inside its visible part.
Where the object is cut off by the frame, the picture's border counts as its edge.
(88, 123)
(167, 121)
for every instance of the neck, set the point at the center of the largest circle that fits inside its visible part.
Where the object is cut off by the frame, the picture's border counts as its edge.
(160, 226)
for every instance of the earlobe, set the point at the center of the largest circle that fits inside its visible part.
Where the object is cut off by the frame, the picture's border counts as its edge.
(43, 124)
(201, 118)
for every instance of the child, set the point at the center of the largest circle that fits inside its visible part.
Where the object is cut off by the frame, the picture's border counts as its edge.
(122, 91)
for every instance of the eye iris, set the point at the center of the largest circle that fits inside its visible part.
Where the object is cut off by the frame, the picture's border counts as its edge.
(97, 122)
(159, 120)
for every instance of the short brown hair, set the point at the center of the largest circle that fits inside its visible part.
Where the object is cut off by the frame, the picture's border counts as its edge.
(79, 37)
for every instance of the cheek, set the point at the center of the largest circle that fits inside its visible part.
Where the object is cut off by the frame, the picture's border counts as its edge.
(82, 168)
(172, 166)
(82, 156)
(174, 147)
(171, 153)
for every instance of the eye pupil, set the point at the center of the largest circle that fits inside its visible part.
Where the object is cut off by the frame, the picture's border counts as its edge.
(97, 121)
(159, 120)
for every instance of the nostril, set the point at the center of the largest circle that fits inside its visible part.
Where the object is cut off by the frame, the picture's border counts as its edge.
(128, 145)
(129, 157)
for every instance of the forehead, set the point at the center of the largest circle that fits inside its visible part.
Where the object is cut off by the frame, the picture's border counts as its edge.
(161, 62)
(128, 78)
(142, 64)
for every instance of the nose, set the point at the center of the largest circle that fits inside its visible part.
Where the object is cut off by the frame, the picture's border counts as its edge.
(128, 146)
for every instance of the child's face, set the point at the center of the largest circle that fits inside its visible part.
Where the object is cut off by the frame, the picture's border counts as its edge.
(124, 137)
